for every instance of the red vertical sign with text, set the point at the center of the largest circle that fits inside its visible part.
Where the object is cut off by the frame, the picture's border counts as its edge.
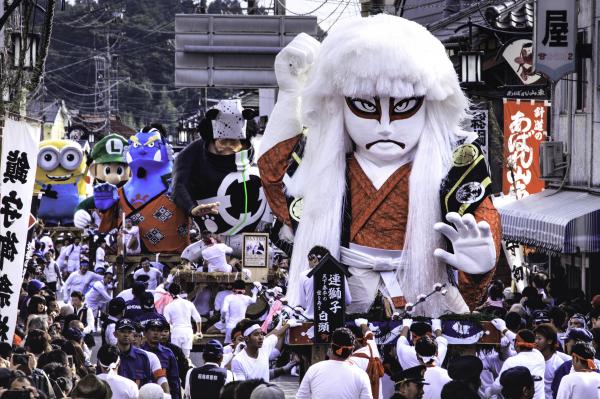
(525, 128)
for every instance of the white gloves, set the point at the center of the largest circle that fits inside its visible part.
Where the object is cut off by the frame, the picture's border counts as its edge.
(500, 324)
(293, 323)
(294, 61)
(257, 284)
(286, 233)
(82, 219)
(361, 322)
(472, 243)
(436, 324)
(406, 323)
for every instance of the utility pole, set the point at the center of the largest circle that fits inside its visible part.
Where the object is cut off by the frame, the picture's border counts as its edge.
(280, 6)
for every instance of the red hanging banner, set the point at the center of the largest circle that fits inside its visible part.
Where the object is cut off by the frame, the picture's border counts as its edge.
(525, 123)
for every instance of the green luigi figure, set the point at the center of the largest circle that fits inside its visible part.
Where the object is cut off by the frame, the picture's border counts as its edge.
(109, 169)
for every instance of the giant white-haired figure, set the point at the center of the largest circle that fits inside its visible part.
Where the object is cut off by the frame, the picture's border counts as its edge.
(381, 104)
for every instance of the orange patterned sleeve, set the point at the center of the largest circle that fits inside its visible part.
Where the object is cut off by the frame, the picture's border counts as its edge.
(473, 287)
(273, 165)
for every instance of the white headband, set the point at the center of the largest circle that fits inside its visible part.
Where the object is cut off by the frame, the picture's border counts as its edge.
(248, 331)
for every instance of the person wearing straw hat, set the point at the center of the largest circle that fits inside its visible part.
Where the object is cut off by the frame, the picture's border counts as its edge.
(337, 377)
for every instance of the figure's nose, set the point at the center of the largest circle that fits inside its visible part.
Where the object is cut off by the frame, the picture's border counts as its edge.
(384, 129)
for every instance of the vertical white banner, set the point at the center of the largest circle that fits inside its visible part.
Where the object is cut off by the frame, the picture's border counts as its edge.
(17, 173)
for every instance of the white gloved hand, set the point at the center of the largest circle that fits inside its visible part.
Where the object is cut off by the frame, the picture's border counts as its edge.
(472, 243)
(373, 327)
(257, 284)
(286, 233)
(293, 323)
(361, 322)
(294, 61)
(82, 219)
(436, 324)
(407, 323)
(500, 324)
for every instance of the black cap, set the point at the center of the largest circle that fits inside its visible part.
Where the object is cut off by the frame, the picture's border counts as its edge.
(515, 379)
(541, 316)
(465, 368)
(147, 301)
(154, 323)
(116, 306)
(213, 347)
(73, 334)
(414, 374)
(125, 324)
(143, 278)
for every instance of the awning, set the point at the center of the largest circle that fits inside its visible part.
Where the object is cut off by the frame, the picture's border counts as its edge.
(563, 222)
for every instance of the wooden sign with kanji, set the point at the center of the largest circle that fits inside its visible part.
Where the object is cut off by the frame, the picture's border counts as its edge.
(329, 280)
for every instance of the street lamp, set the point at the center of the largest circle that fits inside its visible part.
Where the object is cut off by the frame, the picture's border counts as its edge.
(33, 43)
(183, 136)
(470, 67)
(470, 61)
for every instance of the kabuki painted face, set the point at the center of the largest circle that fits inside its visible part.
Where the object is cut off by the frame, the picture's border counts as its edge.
(384, 128)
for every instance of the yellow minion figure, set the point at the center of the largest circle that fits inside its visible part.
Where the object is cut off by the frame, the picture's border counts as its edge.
(62, 178)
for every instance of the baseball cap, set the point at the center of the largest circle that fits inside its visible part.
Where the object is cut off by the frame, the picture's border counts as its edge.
(413, 374)
(541, 316)
(579, 334)
(116, 306)
(73, 334)
(465, 368)
(34, 286)
(515, 379)
(109, 149)
(147, 301)
(125, 324)
(154, 323)
(213, 347)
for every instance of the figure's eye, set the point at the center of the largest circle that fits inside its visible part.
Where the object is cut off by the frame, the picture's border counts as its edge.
(364, 105)
(405, 108)
(136, 145)
(119, 170)
(107, 170)
(48, 159)
(70, 158)
(150, 144)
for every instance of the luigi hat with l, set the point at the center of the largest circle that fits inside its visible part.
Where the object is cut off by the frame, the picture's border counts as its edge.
(110, 149)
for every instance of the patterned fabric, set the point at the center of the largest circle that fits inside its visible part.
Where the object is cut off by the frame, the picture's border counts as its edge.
(273, 166)
(163, 226)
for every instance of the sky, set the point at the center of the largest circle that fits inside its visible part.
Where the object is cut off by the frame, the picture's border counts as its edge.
(328, 12)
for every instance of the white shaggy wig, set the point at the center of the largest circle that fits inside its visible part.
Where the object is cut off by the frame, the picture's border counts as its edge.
(380, 56)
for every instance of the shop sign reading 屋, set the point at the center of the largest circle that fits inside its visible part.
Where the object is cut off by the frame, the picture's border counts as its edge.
(525, 128)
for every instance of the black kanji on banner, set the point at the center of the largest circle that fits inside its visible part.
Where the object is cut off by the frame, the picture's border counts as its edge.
(17, 167)
(5, 291)
(11, 205)
(8, 247)
(556, 29)
(329, 297)
(4, 328)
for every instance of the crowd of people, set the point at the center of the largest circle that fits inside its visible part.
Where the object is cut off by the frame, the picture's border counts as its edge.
(77, 337)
